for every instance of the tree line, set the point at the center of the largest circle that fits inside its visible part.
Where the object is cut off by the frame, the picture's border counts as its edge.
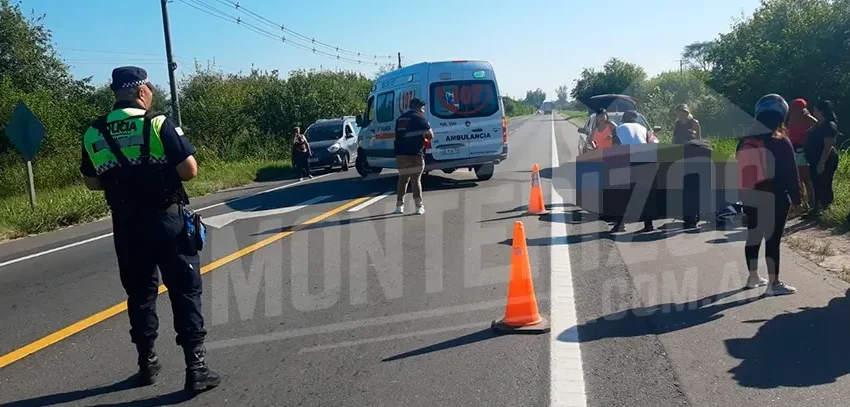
(796, 48)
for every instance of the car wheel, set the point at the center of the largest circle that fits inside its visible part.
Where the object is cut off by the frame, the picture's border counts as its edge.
(485, 172)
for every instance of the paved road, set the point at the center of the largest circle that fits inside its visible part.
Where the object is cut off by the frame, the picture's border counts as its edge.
(336, 302)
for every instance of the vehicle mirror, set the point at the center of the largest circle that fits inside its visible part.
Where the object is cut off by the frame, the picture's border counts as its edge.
(582, 130)
(359, 120)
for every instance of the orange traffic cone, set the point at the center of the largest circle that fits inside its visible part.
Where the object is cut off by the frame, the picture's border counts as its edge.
(521, 314)
(536, 205)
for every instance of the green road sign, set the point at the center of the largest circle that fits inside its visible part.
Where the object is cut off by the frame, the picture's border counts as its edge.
(25, 131)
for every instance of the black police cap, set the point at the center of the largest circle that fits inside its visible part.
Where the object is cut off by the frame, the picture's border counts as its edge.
(127, 77)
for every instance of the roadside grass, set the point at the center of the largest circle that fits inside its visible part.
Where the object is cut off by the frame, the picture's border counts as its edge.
(577, 117)
(65, 206)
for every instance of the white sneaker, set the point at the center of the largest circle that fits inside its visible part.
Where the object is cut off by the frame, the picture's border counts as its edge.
(399, 210)
(420, 210)
(755, 282)
(780, 289)
(302, 179)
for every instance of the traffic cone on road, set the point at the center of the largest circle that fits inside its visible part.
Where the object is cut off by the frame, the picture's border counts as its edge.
(536, 205)
(521, 313)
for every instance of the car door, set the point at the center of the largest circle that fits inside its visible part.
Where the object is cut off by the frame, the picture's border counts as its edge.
(349, 139)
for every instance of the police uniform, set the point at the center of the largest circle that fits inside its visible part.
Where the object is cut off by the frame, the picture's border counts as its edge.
(137, 171)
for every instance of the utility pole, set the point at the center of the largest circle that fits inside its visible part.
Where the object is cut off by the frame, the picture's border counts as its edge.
(172, 66)
(399, 60)
(681, 65)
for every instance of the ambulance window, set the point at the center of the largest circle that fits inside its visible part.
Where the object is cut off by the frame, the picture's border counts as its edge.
(464, 99)
(384, 109)
(370, 111)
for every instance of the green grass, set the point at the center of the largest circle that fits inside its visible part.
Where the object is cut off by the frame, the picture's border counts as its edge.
(577, 117)
(60, 207)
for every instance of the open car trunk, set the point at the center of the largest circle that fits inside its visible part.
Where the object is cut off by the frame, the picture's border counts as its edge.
(611, 102)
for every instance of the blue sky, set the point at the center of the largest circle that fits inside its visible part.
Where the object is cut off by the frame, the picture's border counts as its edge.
(530, 43)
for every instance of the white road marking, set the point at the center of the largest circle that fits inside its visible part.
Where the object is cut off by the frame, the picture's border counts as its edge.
(223, 220)
(346, 344)
(566, 374)
(371, 201)
(104, 236)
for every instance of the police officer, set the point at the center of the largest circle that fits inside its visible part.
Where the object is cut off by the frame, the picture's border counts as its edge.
(140, 160)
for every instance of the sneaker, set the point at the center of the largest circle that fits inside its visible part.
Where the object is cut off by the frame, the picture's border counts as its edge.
(755, 282)
(301, 179)
(420, 210)
(399, 210)
(310, 176)
(780, 289)
(618, 228)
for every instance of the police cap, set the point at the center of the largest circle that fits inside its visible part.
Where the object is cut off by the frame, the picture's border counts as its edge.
(127, 77)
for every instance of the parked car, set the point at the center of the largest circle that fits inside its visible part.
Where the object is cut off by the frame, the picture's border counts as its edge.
(465, 110)
(616, 105)
(333, 142)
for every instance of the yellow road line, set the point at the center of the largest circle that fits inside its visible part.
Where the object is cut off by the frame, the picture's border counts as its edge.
(116, 309)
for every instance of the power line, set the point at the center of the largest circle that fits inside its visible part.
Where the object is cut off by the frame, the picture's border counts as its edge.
(312, 40)
(210, 10)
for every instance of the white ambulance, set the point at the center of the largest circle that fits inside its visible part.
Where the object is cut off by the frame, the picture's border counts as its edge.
(464, 107)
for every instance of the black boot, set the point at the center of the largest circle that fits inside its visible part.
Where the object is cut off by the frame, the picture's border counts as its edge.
(199, 377)
(149, 366)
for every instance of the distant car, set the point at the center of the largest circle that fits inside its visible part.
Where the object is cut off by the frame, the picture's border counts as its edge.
(333, 142)
(548, 107)
(616, 106)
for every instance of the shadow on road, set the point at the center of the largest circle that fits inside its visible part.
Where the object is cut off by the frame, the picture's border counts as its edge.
(126, 384)
(274, 173)
(474, 337)
(656, 320)
(431, 183)
(801, 349)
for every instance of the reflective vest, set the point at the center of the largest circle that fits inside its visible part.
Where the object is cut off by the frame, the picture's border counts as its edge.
(126, 126)
(134, 184)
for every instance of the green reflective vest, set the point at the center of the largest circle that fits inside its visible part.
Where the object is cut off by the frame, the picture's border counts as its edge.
(126, 126)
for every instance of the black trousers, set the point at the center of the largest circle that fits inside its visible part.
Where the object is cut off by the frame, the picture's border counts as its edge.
(302, 165)
(822, 183)
(143, 243)
(765, 220)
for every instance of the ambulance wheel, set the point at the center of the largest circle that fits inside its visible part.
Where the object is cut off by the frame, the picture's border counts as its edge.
(362, 166)
(485, 172)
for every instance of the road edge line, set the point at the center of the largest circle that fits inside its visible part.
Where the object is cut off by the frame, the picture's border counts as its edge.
(566, 373)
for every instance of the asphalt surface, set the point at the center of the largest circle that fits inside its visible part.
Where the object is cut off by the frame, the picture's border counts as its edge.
(366, 308)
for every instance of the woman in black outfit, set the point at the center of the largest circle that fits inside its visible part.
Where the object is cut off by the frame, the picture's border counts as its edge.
(822, 156)
(766, 205)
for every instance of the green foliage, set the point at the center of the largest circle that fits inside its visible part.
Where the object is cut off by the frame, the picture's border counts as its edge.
(698, 55)
(516, 107)
(617, 76)
(535, 97)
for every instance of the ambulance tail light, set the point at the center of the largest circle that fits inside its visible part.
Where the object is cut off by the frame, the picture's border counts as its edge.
(504, 129)
(427, 144)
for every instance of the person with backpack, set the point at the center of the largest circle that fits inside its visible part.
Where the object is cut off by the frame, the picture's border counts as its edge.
(769, 182)
(822, 156)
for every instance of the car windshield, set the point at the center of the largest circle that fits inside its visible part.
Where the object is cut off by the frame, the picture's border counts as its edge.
(324, 132)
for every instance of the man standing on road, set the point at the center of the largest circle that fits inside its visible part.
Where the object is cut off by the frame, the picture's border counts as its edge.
(140, 160)
(412, 129)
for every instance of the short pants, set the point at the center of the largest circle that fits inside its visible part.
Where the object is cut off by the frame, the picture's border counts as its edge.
(800, 157)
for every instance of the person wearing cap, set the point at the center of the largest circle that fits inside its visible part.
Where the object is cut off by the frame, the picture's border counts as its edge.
(767, 201)
(140, 160)
(412, 129)
(686, 128)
